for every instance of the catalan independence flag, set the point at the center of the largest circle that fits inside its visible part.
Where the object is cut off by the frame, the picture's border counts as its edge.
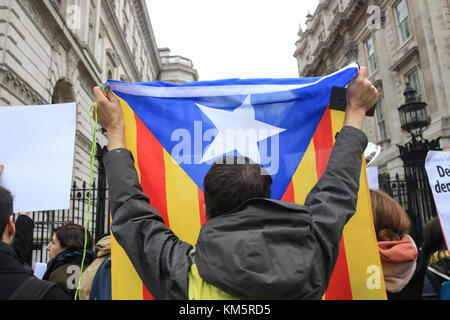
(176, 131)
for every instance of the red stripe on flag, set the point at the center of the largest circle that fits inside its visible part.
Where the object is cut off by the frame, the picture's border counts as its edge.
(201, 206)
(153, 176)
(146, 294)
(339, 286)
(289, 195)
(323, 142)
(151, 164)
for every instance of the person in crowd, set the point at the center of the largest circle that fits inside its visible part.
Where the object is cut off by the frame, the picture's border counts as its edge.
(65, 257)
(401, 260)
(103, 252)
(23, 239)
(251, 247)
(437, 259)
(17, 282)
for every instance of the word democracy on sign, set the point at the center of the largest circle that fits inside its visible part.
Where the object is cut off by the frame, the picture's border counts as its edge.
(442, 187)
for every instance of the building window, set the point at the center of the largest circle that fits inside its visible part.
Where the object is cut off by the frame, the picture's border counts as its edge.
(370, 49)
(381, 122)
(403, 26)
(414, 82)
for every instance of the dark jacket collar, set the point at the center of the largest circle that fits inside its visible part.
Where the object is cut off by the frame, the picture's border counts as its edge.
(6, 250)
(9, 262)
(68, 256)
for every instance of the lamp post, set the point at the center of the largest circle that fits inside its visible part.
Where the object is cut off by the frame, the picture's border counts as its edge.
(101, 193)
(414, 119)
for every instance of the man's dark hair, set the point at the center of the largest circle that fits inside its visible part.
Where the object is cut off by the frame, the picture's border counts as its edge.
(71, 237)
(231, 181)
(6, 208)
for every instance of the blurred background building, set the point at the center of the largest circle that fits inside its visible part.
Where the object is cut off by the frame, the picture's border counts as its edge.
(400, 41)
(56, 51)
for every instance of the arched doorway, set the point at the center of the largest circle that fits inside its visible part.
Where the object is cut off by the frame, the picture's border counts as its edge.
(63, 92)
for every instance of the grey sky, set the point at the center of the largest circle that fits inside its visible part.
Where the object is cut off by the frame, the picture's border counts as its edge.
(232, 38)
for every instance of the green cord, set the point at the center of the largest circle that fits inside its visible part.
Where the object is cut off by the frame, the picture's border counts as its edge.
(92, 161)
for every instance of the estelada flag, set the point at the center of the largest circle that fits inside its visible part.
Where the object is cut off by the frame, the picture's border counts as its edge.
(176, 131)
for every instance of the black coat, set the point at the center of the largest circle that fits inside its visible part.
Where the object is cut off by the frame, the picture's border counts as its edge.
(60, 269)
(13, 275)
(23, 240)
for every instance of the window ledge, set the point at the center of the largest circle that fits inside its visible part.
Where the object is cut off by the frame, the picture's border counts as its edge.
(404, 58)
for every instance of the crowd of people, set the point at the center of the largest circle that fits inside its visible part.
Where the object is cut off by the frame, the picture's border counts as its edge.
(65, 253)
(252, 247)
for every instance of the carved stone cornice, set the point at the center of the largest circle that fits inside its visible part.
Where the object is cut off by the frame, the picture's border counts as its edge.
(86, 82)
(147, 30)
(114, 27)
(83, 142)
(407, 55)
(113, 58)
(11, 81)
(351, 50)
(37, 12)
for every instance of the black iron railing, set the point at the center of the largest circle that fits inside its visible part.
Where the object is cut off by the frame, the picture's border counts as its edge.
(47, 221)
(413, 194)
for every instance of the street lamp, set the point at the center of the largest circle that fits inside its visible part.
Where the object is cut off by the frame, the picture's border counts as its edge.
(413, 114)
(414, 119)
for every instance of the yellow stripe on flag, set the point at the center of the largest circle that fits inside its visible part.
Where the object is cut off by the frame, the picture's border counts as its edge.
(182, 202)
(130, 131)
(363, 260)
(305, 177)
(125, 282)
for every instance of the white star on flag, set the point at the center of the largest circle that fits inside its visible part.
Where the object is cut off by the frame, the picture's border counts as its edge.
(238, 130)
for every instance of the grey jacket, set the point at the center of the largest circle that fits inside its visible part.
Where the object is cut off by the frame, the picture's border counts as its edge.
(266, 249)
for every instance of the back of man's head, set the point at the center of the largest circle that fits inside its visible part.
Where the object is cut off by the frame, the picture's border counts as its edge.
(6, 208)
(231, 181)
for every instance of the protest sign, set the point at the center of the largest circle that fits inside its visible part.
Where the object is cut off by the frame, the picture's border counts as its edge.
(437, 165)
(37, 148)
(372, 178)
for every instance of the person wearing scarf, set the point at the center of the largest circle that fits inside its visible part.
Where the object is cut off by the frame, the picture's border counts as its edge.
(66, 253)
(402, 262)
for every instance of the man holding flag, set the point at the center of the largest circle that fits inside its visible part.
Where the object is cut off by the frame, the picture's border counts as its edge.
(251, 247)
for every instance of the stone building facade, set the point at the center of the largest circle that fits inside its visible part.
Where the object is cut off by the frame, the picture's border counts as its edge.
(56, 51)
(401, 41)
(176, 68)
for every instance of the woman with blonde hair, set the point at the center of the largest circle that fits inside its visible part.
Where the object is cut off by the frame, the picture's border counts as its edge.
(402, 262)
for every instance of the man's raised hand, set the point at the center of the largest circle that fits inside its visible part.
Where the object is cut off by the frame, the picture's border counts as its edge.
(361, 97)
(110, 114)
(110, 117)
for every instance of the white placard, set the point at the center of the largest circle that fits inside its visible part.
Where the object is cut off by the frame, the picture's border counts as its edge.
(372, 178)
(437, 165)
(39, 270)
(37, 148)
